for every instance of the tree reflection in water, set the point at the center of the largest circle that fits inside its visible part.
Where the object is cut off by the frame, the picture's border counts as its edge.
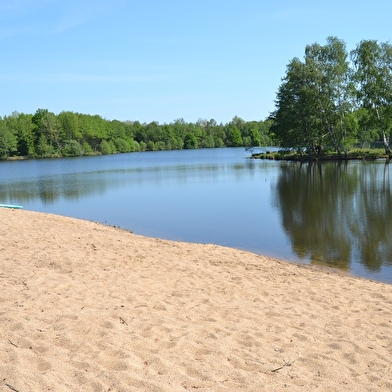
(337, 213)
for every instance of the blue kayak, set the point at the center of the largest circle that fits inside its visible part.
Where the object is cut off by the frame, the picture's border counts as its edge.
(9, 206)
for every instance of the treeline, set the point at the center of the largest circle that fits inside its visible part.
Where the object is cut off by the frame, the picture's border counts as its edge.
(45, 134)
(332, 99)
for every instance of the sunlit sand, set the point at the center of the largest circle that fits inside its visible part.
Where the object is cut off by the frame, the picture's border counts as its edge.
(86, 307)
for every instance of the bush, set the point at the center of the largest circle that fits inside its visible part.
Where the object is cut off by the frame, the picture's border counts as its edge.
(107, 148)
(160, 146)
(142, 145)
(72, 149)
(135, 146)
(190, 141)
(87, 149)
(151, 146)
(219, 142)
(122, 145)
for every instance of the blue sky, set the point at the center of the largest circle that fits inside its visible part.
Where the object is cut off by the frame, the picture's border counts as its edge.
(159, 60)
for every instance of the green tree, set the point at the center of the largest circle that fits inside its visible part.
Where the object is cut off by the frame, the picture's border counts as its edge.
(373, 80)
(72, 149)
(107, 147)
(87, 149)
(46, 128)
(265, 133)
(8, 141)
(366, 131)
(234, 137)
(314, 99)
(295, 120)
(69, 124)
(43, 148)
(94, 130)
(122, 145)
(219, 142)
(22, 128)
(255, 137)
(25, 133)
(238, 122)
(332, 68)
(190, 141)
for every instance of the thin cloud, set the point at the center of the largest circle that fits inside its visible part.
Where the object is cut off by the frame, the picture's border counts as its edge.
(9, 8)
(20, 17)
(70, 21)
(48, 17)
(74, 14)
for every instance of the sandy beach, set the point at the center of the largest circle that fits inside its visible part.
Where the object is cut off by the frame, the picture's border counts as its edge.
(87, 307)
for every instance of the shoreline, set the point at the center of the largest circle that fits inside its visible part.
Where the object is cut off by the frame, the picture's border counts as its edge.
(91, 307)
(320, 158)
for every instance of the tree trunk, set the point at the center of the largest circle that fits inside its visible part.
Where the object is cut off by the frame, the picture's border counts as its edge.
(386, 143)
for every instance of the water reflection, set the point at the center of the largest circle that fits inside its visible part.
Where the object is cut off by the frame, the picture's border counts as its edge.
(337, 213)
(49, 190)
(77, 185)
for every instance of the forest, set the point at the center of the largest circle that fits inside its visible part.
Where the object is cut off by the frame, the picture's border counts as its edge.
(333, 100)
(329, 102)
(46, 135)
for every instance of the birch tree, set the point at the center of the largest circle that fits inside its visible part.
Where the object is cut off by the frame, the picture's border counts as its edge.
(373, 80)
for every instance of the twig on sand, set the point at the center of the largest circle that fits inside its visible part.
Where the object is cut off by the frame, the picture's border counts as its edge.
(123, 321)
(11, 387)
(9, 341)
(281, 367)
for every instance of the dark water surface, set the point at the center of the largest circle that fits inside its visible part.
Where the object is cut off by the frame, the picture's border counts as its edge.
(335, 214)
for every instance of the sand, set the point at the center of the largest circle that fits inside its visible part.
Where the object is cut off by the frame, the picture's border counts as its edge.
(87, 307)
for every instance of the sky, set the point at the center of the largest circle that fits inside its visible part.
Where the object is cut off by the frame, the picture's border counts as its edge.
(161, 60)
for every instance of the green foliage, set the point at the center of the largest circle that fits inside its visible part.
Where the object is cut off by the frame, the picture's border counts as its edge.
(326, 102)
(160, 146)
(190, 141)
(372, 76)
(122, 145)
(219, 142)
(72, 149)
(234, 137)
(151, 146)
(255, 138)
(47, 131)
(292, 155)
(43, 148)
(294, 115)
(24, 131)
(8, 141)
(86, 148)
(44, 134)
(366, 154)
(135, 146)
(107, 147)
(69, 125)
(366, 131)
(142, 145)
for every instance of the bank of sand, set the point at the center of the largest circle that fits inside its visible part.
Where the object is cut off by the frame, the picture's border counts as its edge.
(86, 307)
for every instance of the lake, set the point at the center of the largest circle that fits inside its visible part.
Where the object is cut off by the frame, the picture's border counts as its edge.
(333, 214)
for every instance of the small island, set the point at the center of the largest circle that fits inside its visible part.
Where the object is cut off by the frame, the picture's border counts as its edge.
(365, 154)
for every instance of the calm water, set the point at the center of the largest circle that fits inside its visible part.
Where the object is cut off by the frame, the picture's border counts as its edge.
(331, 214)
